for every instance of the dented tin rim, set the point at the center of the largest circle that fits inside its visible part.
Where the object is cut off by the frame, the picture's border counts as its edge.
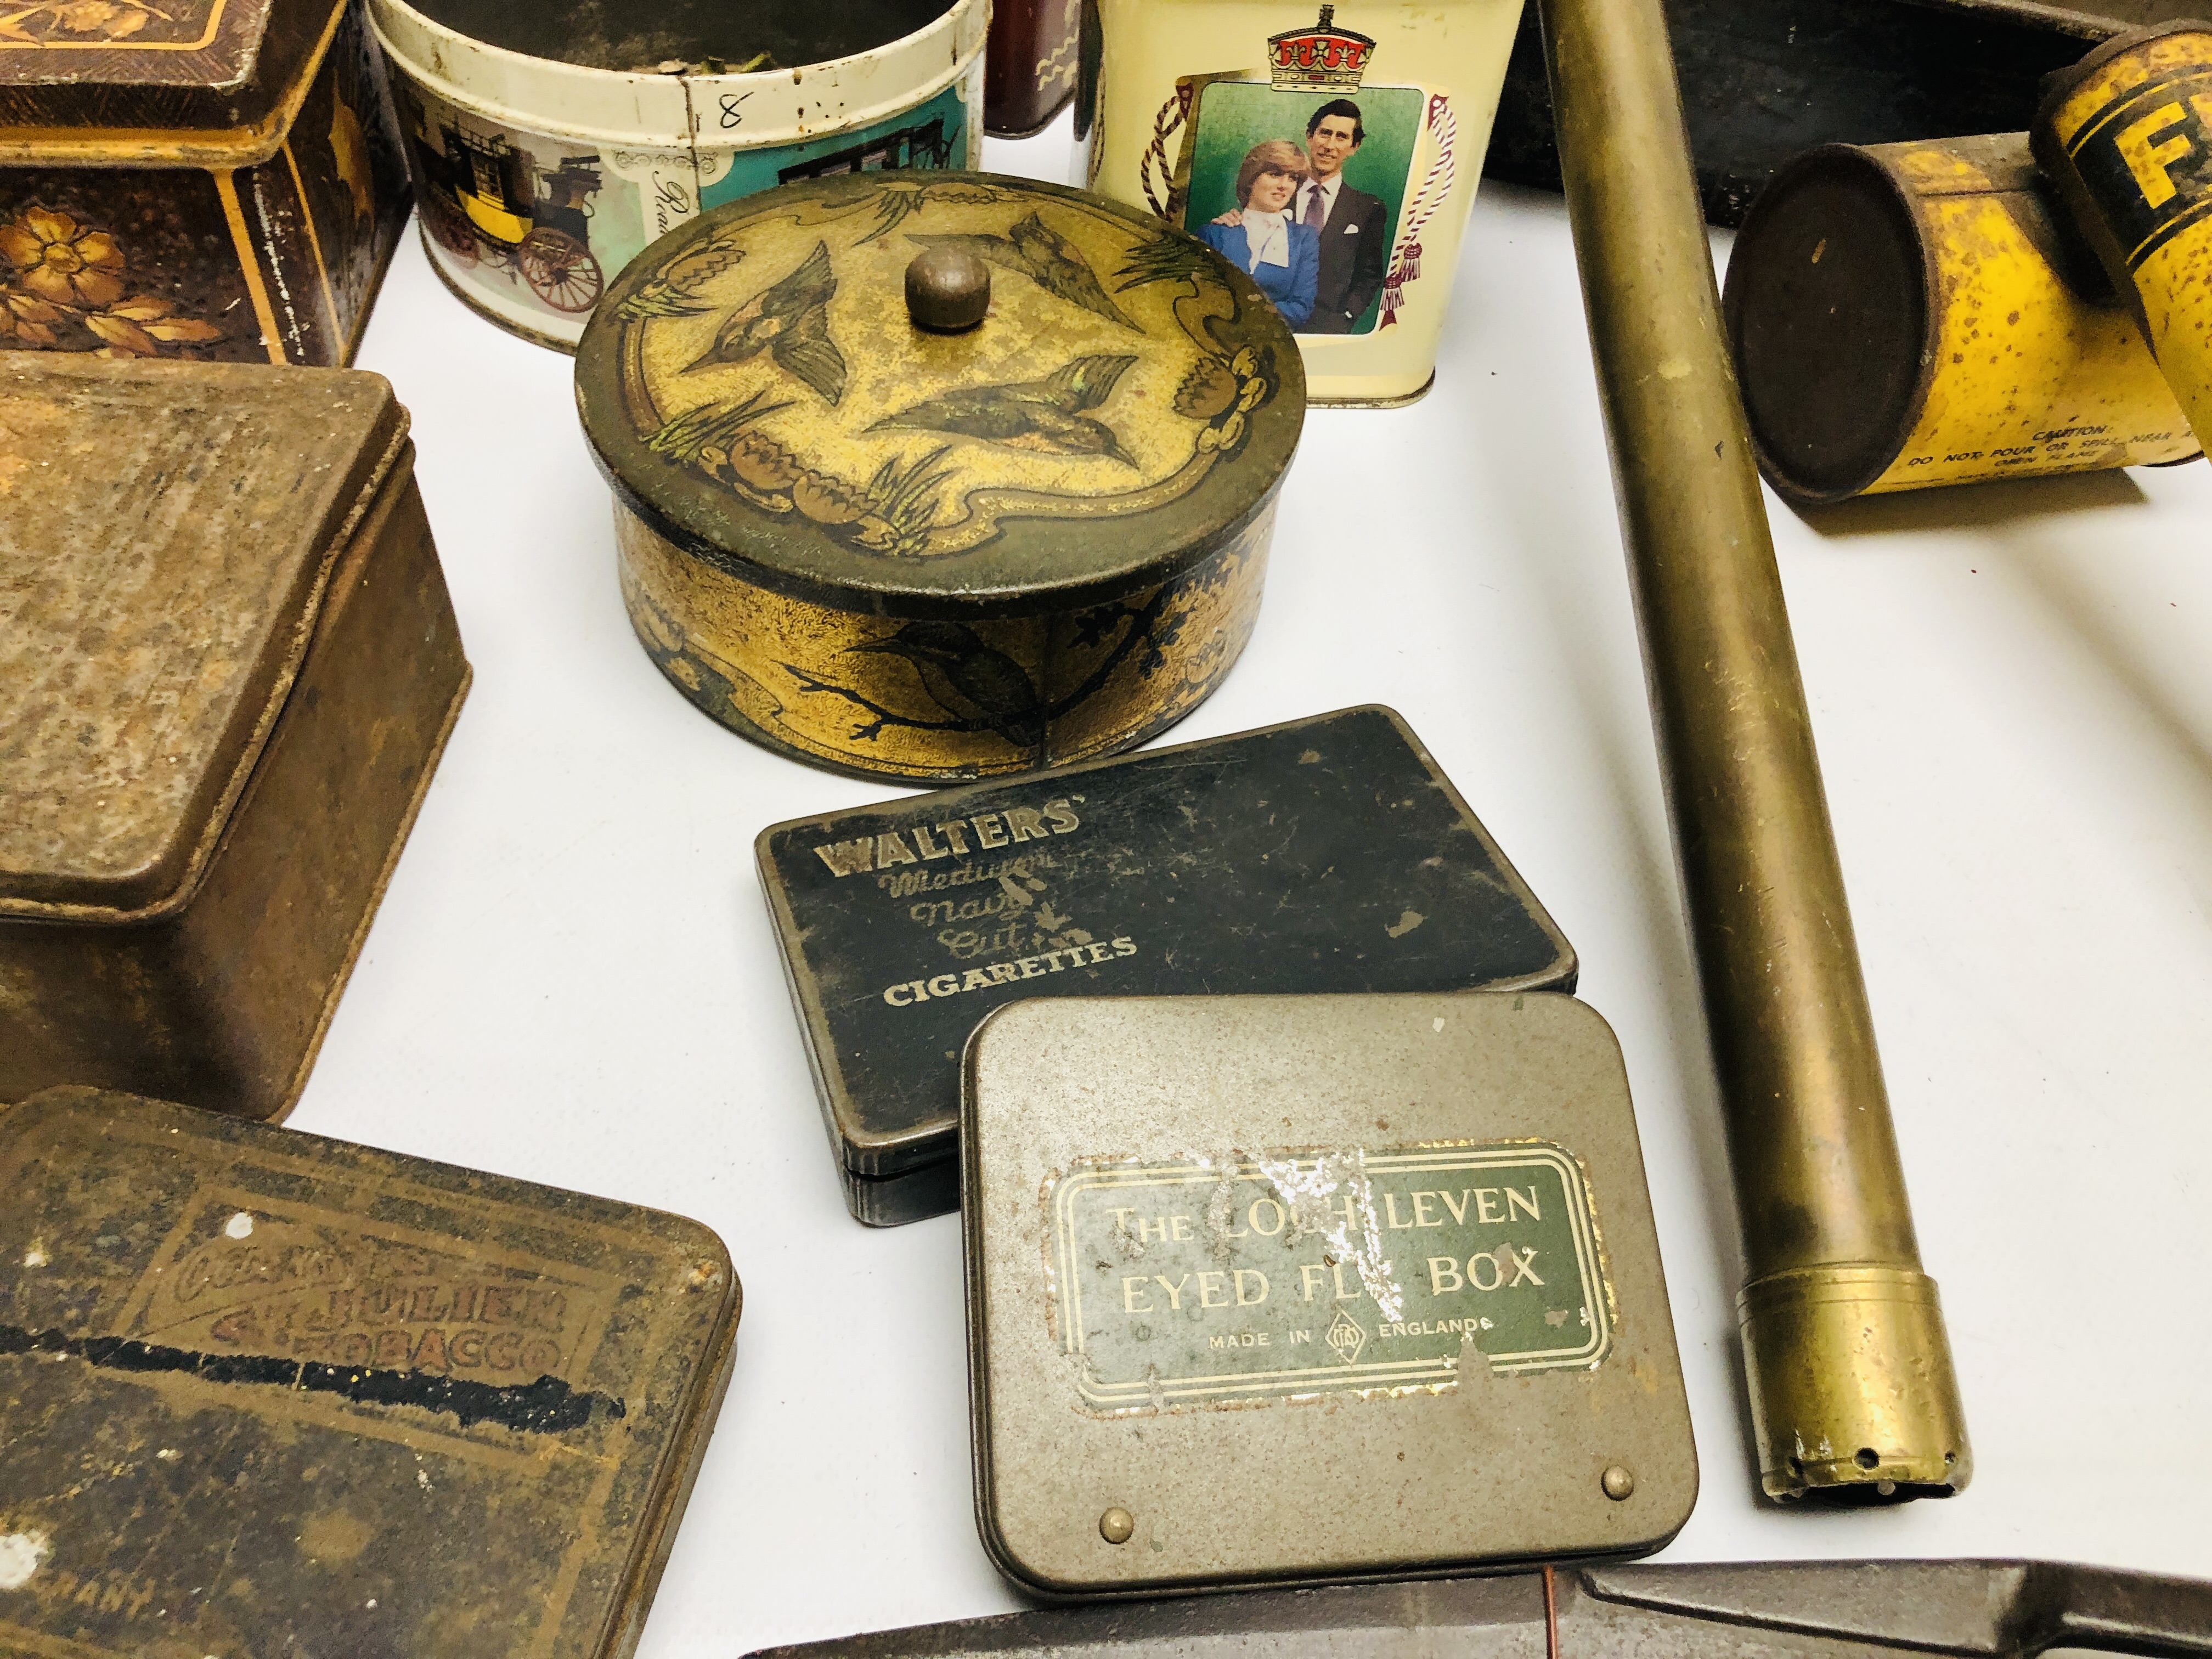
(1883, 192)
(618, 107)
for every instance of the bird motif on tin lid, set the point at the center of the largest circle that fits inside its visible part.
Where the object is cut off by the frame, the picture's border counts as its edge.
(790, 321)
(968, 677)
(1046, 416)
(673, 290)
(1043, 255)
(896, 197)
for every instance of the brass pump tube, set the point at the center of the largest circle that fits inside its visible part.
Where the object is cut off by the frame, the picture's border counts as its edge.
(1851, 1380)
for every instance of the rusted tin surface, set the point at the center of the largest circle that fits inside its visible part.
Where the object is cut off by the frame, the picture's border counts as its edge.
(1028, 72)
(217, 180)
(1331, 151)
(1915, 314)
(1327, 854)
(895, 550)
(2126, 136)
(1397, 1247)
(553, 142)
(229, 667)
(340, 1402)
(1762, 82)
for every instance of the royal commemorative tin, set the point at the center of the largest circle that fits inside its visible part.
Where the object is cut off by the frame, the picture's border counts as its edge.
(1904, 315)
(552, 142)
(267, 1394)
(206, 179)
(1396, 1250)
(2121, 137)
(228, 667)
(940, 476)
(1334, 154)
(1330, 854)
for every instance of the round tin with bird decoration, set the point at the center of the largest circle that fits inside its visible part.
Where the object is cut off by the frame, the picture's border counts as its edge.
(942, 475)
(553, 142)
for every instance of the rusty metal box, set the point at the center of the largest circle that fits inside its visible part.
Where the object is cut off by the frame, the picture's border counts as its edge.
(227, 667)
(266, 1394)
(1327, 854)
(1280, 1289)
(211, 180)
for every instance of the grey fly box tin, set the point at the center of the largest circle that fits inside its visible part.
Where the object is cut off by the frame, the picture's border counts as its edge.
(1328, 855)
(1395, 1253)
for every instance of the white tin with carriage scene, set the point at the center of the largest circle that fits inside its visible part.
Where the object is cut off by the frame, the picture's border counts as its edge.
(551, 142)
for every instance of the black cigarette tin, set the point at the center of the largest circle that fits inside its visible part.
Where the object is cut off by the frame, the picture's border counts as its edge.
(1327, 854)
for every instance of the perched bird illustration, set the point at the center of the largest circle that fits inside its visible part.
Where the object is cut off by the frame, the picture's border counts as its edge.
(1044, 416)
(790, 321)
(967, 678)
(1043, 255)
(673, 290)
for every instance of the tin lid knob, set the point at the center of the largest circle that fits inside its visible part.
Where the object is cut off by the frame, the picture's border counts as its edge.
(947, 290)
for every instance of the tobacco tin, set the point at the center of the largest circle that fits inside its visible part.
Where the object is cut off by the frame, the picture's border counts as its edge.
(1282, 1290)
(1329, 854)
(211, 180)
(267, 1392)
(895, 550)
(228, 669)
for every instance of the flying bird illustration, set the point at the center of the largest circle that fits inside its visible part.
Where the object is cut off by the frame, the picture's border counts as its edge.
(673, 290)
(790, 321)
(967, 678)
(1043, 255)
(903, 194)
(1042, 416)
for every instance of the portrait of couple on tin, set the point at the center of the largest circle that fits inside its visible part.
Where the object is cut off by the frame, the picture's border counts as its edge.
(1317, 245)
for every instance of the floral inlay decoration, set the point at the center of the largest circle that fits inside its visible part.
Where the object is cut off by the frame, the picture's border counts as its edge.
(63, 281)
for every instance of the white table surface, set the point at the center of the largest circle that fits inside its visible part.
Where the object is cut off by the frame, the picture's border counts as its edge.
(571, 978)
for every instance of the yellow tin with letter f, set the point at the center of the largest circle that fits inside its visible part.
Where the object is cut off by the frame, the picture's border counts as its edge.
(2126, 136)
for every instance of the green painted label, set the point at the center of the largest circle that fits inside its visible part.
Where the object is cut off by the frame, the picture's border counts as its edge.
(1282, 1274)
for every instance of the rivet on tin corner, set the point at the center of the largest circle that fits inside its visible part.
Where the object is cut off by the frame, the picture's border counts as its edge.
(1117, 1525)
(1619, 1481)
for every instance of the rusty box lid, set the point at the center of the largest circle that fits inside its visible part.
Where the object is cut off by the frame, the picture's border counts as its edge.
(757, 390)
(155, 83)
(267, 1394)
(167, 531)
(1272, 1290)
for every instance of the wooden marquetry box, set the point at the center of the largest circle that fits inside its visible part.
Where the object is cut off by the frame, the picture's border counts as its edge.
(210, 180)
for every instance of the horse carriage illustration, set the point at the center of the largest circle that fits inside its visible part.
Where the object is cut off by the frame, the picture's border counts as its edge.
(486, 200)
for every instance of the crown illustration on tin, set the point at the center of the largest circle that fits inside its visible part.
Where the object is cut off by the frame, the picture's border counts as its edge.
(1324, 56)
